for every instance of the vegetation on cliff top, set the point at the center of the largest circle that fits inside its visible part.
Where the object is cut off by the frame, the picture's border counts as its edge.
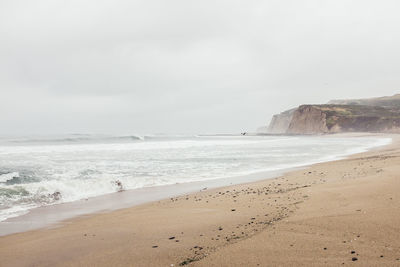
(359, 117)
(381, 114)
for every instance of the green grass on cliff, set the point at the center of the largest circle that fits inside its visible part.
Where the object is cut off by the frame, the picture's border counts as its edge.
(358, 110)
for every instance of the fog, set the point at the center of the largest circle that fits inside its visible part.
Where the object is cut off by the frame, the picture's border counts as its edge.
(185, 66)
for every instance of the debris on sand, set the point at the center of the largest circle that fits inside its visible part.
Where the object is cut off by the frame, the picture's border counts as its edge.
(119, 185)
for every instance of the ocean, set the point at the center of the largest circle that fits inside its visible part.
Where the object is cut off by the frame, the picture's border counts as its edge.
(40, 171)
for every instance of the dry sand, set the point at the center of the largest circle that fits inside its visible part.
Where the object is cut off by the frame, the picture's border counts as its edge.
(344, 212)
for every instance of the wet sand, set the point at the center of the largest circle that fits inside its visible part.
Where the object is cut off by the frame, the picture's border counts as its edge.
(344, 212)
(53, 215)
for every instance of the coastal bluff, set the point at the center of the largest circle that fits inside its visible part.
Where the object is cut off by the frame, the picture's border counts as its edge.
(380, 114)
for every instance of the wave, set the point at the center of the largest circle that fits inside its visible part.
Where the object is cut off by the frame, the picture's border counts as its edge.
(18, 177)
(5, 177)
(76, 139)
(86, 138)
(37, 175)
(89, 138)
(127, 137)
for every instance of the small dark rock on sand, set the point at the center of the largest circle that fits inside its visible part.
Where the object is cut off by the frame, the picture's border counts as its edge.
(172, 238)
(354, 259)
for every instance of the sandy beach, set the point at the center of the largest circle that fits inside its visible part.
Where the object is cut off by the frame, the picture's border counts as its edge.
(199, 133)
(343, 212)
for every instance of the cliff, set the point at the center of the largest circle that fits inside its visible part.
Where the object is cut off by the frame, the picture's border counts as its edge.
(361, 115)
(317, 119)
(385, 101)
(280, 122)
(308, 119)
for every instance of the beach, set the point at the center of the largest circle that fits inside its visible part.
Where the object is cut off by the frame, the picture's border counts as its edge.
(334, 213)
(199, 133)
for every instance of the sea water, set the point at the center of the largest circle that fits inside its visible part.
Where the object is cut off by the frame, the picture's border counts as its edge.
(38, 171)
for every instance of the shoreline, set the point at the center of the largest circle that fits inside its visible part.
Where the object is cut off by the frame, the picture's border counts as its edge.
(220, 225)
(56, 214)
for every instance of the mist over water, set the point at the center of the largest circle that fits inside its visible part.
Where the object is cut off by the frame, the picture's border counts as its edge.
(37, 171)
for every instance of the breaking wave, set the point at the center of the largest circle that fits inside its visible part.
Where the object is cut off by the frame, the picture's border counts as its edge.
(43, 171)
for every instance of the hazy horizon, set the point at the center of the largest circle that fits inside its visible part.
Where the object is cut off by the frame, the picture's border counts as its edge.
(187, 67)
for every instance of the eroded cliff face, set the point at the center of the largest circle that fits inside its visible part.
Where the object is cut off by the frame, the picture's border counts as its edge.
(308, 120)
(280, 122)
(337, 118)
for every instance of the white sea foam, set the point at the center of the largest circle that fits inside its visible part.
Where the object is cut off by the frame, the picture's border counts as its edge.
(42, 173)
(8, 176)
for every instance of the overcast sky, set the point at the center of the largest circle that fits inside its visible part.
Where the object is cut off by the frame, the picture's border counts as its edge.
(187, 66)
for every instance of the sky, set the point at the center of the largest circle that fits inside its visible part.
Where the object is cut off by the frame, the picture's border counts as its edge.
(184, 66)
